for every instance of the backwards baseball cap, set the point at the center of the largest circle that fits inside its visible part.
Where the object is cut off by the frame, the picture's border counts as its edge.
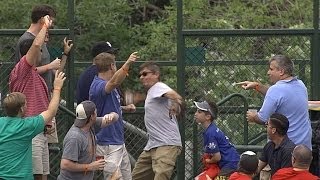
(103, 46)
(204, 106)
(83, 111)
(248, 162)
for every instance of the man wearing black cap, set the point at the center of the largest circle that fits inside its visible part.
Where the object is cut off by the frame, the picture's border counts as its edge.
(87, 75)
(220, 157)
(79, 145)
(247, 167)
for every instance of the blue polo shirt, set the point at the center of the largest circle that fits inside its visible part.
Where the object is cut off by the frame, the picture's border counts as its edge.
(106, 103)
(289, 98)
(215, 141)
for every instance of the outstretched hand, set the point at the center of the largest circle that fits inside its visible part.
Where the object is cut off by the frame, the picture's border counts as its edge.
(247, 84)
(47, 21)
(133, 57)
(59, 80)
(67, 45)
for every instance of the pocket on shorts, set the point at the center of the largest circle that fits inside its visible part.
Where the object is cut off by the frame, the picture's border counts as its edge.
(168, 154)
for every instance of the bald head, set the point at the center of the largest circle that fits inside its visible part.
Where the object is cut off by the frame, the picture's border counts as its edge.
(302, 156)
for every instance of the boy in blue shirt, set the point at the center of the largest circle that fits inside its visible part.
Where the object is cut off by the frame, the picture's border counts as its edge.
(220, 157)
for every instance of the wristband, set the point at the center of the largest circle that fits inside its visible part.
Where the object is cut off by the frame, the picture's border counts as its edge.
(256, 87)
(85, 169)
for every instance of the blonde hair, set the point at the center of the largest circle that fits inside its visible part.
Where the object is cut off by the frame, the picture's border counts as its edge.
(103, 61)
(13, 103)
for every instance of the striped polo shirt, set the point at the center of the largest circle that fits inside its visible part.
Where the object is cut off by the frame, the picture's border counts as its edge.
(25, 79)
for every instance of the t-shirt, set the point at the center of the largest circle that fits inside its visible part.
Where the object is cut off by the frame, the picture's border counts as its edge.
(215, 141)
(84, 83)
(161, 128)
(239, 176)
(15, 146)
(45, 58)
(279, 157)
(24, 78)
(291, 174)
(106, 103)
(77, 147)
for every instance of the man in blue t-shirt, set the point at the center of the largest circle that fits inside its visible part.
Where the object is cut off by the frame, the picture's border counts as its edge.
(220, 157)
(103, 92)
(86, 77)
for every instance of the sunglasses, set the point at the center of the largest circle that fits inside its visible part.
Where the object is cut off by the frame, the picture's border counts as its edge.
(143, 74)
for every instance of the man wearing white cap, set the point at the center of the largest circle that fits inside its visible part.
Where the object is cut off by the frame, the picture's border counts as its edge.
(247, 167)
(79, 145)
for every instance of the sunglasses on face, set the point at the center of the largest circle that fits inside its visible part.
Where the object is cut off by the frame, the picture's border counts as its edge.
(143, 74)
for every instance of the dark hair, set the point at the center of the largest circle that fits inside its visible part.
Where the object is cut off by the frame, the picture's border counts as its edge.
(248, 164)
(103, 61)
(152, 66)
(284, 63)
(280, 122)
(214, 108)
(40, 11)
(13, 103)
(25, 45)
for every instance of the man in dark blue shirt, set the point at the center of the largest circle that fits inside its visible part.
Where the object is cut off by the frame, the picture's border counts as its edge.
(86, 77)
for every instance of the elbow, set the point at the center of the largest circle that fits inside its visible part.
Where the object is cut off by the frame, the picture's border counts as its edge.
(65, 164)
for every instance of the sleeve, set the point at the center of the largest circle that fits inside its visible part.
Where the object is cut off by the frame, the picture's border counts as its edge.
(159, 89)
(269, 106)
(211, 144)
(34, 125)
(264, 153)
(71, 148)
(97, 124)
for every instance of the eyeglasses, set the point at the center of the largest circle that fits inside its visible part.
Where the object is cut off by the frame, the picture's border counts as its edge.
(143, 74)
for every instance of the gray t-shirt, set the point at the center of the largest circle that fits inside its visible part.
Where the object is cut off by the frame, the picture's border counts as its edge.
(77, 147)
(162, 130)
(45, 58)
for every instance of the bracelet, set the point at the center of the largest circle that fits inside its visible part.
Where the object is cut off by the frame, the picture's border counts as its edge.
(85, 169)
(126, 71)
(256, 87)
(57, 89)
(63, 53)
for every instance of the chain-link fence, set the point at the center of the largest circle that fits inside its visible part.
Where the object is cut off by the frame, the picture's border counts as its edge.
(213, 65)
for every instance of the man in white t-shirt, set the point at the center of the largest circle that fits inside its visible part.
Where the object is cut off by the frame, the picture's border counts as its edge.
(162, 105)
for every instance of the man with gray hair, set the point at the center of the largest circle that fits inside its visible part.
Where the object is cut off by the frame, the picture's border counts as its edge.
(301, 160)
(287, 95)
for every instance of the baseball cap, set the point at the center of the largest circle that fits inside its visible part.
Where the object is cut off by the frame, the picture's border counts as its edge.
(103, 46)
(83, 111)
(248, 162)
(204, 106)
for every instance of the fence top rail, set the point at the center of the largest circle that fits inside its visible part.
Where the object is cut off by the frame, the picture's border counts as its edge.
(19, 32)
(249, 32)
